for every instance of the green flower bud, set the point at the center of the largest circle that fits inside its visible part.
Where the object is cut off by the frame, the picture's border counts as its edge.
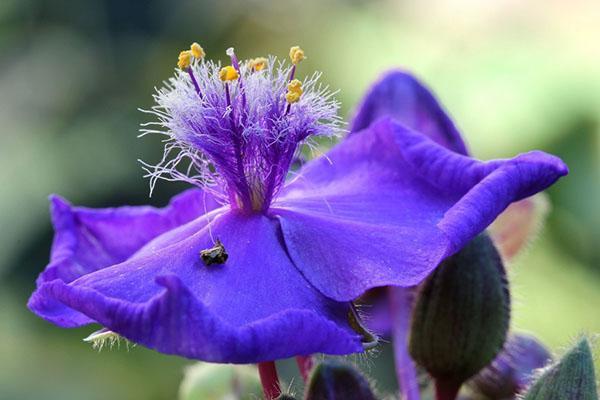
(571, 378)
(461, 315)
(332, 380)
(220, 382)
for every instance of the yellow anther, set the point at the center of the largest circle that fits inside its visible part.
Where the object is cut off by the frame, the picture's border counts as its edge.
(185, 59)
(296, 54)
(295, 86)
(257, 64)
(292, 97)
(228, 73)
(197, 51)
(294, 91)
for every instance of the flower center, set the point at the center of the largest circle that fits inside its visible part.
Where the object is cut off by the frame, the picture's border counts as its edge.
(235, 130)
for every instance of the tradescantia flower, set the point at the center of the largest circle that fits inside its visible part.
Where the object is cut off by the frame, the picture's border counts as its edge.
(249, 267)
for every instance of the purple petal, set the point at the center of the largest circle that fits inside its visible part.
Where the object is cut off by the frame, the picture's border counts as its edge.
(387, 205)
(254, 307)
(513, 369)
(89, 239)
(401, 96)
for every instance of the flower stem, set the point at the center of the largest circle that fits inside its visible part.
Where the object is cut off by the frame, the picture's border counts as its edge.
(305, 364)
(400, 305)
(445, 390)
(269, 379)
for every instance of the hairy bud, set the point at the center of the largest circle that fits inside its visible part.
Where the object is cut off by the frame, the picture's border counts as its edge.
(461, 314)
(513, 369)
(571, 378)
(336, 381)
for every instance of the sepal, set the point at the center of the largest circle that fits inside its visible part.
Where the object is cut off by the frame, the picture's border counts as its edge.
(571, 378)
(461, 314)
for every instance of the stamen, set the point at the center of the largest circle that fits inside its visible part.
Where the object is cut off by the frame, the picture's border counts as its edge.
(185, 60)
(296, 55)
(293, 94)
(257, 64)
(292, 97)
(294, 91)
(295, 86)
(197, 51)
(228, 73)
(240, 143)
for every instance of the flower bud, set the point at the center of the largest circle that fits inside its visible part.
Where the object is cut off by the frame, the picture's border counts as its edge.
(220, 381)
(572, 378)
(461, 314)
(332, 380)
(512, 370)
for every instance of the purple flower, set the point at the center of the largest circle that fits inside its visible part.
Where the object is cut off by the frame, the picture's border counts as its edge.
(384, 207)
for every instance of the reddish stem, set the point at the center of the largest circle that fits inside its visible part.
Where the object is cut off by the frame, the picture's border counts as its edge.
(305, 364)
(269, 379)
(445, 390)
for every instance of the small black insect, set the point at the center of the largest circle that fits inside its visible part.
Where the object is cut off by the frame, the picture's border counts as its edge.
(214, 255)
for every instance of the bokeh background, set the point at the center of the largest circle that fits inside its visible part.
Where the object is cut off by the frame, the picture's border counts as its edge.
(515, 75)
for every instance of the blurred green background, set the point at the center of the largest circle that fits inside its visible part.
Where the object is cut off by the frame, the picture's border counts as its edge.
(514, 75)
